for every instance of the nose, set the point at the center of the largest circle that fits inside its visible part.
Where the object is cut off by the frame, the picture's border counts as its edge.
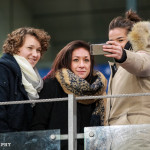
(81, 64)
(34, 53)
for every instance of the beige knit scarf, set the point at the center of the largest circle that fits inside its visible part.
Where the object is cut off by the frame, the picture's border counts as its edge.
(72, 83)
(30, 77)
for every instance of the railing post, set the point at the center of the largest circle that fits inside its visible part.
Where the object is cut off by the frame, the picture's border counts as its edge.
(72, 122)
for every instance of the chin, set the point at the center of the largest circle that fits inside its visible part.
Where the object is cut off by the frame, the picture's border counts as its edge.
(82, 77)
(32, 65)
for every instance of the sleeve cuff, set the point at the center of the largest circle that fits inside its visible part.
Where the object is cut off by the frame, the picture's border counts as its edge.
(123, 58)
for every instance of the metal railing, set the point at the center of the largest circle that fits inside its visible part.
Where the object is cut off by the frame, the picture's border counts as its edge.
(72, 113)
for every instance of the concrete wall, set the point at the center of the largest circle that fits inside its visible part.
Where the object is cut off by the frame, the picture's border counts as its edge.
(69, 20)
(65, 20)
(13, 14)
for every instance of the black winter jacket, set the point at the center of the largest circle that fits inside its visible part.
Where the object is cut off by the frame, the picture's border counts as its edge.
(54, 115)
(13, 117)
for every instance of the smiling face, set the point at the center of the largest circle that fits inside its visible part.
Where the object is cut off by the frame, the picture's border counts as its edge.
(30, 50)
(119, 35)
(81, 63)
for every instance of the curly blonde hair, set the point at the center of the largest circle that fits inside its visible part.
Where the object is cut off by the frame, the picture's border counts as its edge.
(16, 39)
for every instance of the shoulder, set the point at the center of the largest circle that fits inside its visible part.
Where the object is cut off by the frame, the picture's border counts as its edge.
(51, 89)
(6, 58)
(5, 66)
(101, 75)
(101, 78)
(50, 82)
(8, 62)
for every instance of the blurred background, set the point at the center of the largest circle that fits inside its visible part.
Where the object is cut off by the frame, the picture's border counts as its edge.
(67, 20)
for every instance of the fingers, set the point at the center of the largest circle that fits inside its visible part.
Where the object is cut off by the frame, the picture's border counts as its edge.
(114, 48)
(112, 43)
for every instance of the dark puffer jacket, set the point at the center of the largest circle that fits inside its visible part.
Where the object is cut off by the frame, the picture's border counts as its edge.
(13, 117)
(54, 115)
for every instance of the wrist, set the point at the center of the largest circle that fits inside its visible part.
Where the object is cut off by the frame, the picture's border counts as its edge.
(123, 58)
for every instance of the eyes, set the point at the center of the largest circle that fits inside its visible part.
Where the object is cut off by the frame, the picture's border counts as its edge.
(121, 40)
(32, 48)
(77, 60)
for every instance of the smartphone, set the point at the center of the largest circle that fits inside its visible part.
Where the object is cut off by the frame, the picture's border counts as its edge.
(97, 49)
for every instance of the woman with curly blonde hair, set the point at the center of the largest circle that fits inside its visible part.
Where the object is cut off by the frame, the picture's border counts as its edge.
(20, 79)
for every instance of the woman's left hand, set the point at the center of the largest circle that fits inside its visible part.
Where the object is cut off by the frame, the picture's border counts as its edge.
(114, 48)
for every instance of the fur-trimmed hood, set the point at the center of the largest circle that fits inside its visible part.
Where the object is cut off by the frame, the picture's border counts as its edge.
(139, 37)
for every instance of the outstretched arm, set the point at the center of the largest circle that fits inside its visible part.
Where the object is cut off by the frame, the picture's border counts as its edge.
(137, 63)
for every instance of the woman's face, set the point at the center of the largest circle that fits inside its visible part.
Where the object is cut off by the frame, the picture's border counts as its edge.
(81, 62)
(30, 50)
(119, 35)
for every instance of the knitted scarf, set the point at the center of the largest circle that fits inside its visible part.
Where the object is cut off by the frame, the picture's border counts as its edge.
(30, 78)
(72, 83)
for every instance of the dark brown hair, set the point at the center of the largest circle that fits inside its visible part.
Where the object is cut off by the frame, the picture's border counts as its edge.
(64, 57)
(16, 39)
(126, 22)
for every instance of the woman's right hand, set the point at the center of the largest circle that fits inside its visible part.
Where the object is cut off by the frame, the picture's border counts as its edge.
(114, 49)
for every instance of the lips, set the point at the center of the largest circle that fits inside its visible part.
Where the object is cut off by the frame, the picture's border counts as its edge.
(81, 72)
(32, 62)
